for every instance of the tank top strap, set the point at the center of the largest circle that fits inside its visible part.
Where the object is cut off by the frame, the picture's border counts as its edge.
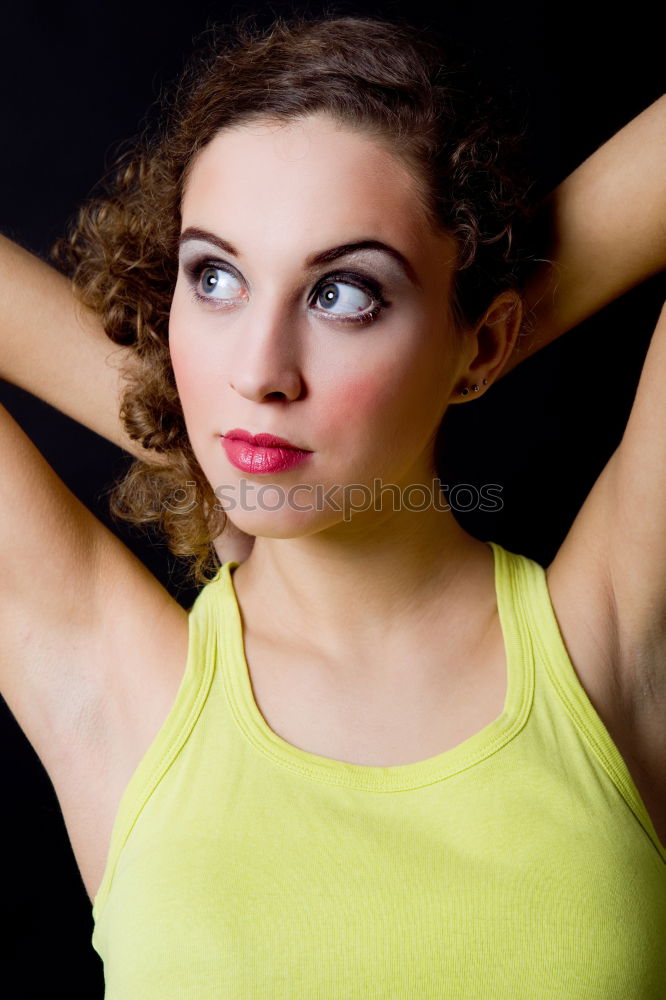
(203, 642)
(528, 583)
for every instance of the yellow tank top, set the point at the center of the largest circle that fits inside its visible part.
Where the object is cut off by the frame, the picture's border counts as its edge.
(519, 865)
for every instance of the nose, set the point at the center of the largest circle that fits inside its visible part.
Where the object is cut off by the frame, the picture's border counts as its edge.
(266, 361)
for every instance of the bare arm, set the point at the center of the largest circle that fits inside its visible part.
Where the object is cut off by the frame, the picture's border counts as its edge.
(603, 227)
(55, 348)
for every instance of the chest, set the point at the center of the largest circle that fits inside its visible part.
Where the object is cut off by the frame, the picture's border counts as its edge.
(277, 885)
(408, 716)
(309, 707)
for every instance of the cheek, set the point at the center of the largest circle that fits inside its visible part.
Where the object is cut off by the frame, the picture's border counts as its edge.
(188, 384)
(176, 341)
(189, 366)
(372, 419)
(389, 396)
(185, 369)
(358, 403)
(387, 415)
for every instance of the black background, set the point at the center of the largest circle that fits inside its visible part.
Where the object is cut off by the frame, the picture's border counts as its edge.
(75, 80)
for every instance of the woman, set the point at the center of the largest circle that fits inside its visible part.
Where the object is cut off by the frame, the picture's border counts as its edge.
(261, 804)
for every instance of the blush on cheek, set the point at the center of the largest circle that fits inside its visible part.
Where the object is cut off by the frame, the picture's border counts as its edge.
(374, 404)
(362, 395)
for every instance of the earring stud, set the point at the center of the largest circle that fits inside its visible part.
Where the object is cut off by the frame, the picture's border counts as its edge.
(465, 391)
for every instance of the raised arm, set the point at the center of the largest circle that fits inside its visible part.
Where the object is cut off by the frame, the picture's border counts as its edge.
(56, 348)
(603, 227)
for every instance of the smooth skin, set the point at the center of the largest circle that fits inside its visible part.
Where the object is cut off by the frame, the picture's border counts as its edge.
(94, 647)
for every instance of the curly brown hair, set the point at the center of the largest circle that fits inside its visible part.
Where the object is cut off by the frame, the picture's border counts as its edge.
(395, 82)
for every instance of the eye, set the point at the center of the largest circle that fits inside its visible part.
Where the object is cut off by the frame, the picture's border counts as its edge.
(216, 283)
(350, 300)
(211, 281)
(347, 298)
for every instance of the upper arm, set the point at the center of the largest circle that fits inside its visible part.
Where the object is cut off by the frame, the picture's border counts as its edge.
(610, 573)
(600, 232)
(87, 631)
(55, 348)
(636, 524)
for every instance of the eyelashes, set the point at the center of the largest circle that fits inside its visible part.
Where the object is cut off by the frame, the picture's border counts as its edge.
(364, 283)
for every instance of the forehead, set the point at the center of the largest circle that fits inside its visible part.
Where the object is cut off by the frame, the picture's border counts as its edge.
(312, 176)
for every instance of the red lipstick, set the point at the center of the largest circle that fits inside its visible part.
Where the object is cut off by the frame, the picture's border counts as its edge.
(261, 453)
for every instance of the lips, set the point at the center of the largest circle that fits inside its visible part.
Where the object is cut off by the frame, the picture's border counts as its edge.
(260, 454)
(261, 440)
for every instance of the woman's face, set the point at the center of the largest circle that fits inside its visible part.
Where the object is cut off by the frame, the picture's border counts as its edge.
(352, 358)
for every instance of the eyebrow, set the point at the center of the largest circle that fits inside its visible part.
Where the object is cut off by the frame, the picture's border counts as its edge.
(321, 257)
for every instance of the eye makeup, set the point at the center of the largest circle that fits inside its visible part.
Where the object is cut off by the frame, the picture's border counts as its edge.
(194, 234)
(195, 268)
(365, 284)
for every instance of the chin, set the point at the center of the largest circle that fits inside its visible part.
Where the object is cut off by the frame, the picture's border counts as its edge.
(283, 523)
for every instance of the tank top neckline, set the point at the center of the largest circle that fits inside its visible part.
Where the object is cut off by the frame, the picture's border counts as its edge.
(470, 752)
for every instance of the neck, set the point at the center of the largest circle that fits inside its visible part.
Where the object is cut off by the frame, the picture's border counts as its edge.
(355, 587)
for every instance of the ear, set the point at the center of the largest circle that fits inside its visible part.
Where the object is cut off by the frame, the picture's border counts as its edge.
(489, 345)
